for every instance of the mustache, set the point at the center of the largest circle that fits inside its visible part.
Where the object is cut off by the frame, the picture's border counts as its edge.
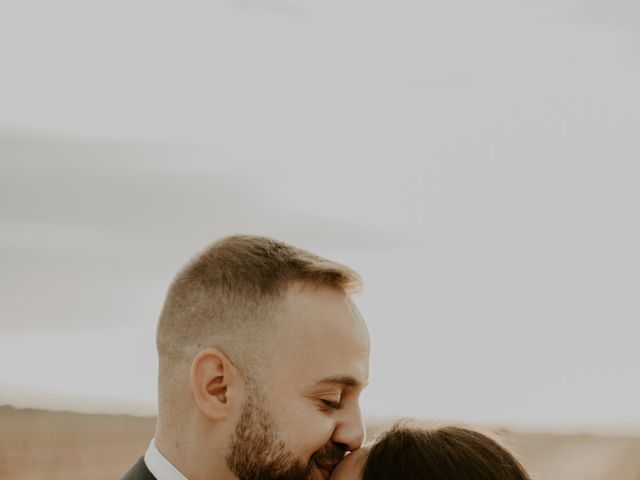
(329, 455)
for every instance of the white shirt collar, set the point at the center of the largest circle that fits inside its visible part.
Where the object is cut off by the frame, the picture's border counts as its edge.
(159, 466)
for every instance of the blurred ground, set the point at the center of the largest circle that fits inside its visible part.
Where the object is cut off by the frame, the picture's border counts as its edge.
(36, 444)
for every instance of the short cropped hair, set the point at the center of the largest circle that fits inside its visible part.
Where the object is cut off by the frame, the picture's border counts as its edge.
(444, 453)
(225, 296)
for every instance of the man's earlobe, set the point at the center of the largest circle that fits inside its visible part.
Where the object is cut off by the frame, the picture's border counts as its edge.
(212, 377)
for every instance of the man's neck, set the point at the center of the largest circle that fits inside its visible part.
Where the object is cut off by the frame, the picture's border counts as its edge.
(194, 456)
(159, 466)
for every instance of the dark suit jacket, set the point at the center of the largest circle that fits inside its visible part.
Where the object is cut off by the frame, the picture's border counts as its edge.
(139, 472)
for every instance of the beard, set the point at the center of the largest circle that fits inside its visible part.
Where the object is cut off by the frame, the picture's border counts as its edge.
(256, 452)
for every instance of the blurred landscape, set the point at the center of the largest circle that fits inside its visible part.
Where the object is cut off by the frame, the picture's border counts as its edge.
(36, 444)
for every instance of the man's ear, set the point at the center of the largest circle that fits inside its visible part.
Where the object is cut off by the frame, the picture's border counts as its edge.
(214, 382)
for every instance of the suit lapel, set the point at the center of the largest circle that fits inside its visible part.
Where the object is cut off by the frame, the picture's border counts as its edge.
(139, 472)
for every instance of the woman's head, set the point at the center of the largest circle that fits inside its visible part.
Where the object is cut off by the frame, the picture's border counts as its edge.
(422, 453)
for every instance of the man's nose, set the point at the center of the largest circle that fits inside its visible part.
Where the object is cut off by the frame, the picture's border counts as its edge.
(350, 431)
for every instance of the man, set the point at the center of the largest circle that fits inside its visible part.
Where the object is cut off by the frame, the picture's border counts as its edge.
(262, 358)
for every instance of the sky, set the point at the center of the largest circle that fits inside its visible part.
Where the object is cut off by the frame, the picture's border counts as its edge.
(477, 162)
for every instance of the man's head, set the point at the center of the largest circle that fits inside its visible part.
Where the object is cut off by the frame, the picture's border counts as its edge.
(262, 360)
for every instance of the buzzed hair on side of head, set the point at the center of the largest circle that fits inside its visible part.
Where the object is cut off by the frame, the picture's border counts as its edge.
(225, 296)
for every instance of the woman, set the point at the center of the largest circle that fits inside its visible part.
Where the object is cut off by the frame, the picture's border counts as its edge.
(421, 453)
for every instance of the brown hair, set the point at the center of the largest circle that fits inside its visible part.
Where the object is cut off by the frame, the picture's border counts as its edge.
(444, 453)
(225, 296)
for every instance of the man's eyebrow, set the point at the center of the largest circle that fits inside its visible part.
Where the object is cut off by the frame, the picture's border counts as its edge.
(343, 380)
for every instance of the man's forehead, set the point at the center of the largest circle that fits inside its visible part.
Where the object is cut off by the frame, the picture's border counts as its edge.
(334, 365)
(318, 308)
(320, 340)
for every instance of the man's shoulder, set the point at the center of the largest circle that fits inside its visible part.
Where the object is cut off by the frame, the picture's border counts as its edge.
(139, 472)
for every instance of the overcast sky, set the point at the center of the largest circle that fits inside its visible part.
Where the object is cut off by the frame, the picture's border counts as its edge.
(477, 162)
